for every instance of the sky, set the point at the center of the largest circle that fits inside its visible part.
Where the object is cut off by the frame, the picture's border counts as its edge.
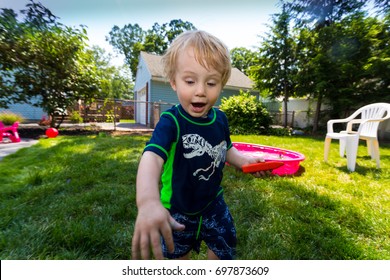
(238, 23)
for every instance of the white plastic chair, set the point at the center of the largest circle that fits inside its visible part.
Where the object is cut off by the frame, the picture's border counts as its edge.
(367, 118)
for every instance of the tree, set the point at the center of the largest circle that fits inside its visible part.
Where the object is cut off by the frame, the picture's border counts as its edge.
(319, 18)
(376, 84)
(382, 5)
(56, 70)
(276, 69)
(9, 34)
(243, 59)
(356, 55)
(48, 64)
(131, 40)
(122, 85)
(321, 13)
(115, 82)
(343, 63)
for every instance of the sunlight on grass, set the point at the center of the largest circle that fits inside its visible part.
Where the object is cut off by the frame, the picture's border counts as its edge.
(327, 210)
(74, 198)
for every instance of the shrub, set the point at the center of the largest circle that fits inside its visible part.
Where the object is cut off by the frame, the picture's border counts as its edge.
(277, 131)
(75, 117)
(246, 114)
(8, 118)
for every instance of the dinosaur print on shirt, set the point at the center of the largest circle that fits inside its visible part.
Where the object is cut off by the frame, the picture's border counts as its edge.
(197, 147)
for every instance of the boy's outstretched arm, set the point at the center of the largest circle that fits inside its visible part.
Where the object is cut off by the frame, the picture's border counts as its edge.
(153, 220)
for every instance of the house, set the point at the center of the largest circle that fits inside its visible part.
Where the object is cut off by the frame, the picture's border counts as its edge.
(151, 86)
(29, 112)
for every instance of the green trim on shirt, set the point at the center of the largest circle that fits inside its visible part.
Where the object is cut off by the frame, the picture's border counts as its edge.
(166, 177)
(199, 123)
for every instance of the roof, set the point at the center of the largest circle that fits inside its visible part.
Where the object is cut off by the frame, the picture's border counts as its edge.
(237, 78)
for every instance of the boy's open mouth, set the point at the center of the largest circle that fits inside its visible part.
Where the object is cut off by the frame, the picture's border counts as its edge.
(198, 107)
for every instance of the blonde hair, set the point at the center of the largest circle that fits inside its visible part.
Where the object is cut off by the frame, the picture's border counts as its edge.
(209, 52)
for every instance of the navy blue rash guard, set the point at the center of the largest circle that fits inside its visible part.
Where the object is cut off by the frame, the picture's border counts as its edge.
(194, 154)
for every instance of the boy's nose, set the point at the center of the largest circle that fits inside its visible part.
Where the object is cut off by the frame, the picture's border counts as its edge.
(200, 90)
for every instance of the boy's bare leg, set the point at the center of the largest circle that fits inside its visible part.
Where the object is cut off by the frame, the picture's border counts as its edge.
(211, 255)
(185, 257)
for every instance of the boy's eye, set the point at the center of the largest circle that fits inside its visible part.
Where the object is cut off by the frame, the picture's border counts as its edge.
(190, 82)
(211, 84)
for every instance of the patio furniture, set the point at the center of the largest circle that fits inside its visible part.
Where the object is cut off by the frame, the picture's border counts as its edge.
(362, 124)
(9, 131)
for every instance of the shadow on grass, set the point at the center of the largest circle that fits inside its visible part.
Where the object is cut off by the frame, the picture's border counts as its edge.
(364, 165)
(283, 220)
(70, 198)
(74, 198)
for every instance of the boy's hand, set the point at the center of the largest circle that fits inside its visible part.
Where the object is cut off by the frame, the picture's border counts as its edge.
(153, 221)
(238, 159)
(252, 160)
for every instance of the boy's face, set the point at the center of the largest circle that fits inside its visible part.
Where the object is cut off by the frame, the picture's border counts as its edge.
(197, 88)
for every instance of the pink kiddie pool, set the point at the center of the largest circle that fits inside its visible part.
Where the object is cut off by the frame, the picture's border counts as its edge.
(290, 159)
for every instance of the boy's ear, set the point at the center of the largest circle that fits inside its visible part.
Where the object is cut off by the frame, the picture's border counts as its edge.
(173, 84)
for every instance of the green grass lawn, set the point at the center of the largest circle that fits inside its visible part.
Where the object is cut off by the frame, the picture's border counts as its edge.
(74, 198)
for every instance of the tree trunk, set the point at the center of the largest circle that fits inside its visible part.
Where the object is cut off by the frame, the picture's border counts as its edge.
(285, 101)
(317, 113)
(56, 123)
(114, 114)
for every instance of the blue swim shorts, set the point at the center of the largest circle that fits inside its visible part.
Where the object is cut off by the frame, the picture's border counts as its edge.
(215, 227)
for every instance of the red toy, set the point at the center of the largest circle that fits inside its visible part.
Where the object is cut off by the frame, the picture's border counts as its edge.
(51, 132)
(261, 166)
(10, 131)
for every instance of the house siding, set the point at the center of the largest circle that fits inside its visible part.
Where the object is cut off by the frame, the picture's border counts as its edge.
(142, 85)
(27, 111)
(143, 75)
(162, 92)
